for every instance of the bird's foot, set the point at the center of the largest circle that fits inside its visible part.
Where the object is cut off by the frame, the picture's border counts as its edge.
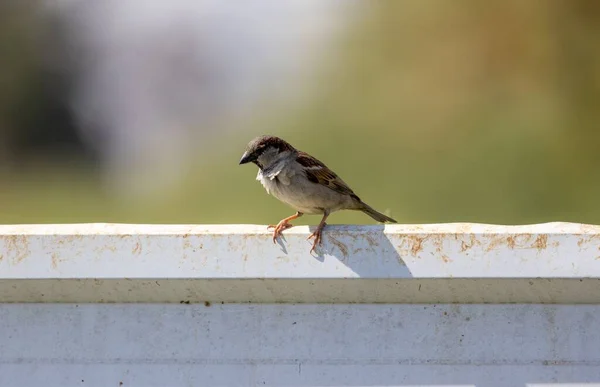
(317, 235)
(277, 229)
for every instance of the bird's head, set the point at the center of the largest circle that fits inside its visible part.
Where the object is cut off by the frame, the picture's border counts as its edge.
(264, 149)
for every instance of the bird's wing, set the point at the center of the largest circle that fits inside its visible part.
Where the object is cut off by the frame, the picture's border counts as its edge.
(318, 173)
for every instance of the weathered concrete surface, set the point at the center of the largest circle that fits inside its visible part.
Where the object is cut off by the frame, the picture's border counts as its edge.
(299, 345)
(214, 344)
(459, 263)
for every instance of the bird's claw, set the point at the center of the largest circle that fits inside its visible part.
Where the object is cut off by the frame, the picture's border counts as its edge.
(277, 229)
(317, 236)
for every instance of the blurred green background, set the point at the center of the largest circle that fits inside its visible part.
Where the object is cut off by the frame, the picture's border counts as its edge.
(432, 111)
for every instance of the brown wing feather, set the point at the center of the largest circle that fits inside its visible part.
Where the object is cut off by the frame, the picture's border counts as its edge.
(318, 173)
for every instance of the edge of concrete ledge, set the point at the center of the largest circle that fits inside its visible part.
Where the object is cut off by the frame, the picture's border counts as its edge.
(434, 263)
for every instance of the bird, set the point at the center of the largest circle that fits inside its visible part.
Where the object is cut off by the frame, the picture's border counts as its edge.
(302, 182)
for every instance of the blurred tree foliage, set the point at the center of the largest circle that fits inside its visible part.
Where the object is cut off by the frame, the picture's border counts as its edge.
(17, 70)
(476, 111)
(36, 123)
(438, 111)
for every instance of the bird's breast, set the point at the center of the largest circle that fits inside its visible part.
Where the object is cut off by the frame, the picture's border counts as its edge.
(299, 193)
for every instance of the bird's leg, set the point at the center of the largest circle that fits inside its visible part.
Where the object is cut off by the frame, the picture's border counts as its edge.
(318, 231)
(283, 225)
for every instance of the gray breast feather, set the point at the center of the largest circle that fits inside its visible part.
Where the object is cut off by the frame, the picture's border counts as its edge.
(271, 177)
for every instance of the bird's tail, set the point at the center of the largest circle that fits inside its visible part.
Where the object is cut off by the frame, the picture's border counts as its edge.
(378, 216)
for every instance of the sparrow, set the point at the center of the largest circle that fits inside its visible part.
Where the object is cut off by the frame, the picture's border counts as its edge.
(303, 182)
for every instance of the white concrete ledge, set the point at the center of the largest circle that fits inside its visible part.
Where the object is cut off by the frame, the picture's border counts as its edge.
(446, 263)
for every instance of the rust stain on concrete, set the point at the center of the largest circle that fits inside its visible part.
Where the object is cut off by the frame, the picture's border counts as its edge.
(495, 242)
(137, 249)
(520, 241)
(187, 245)
(18, 247)
(370, 241)
(467, 245)
(438, 242)
(55, 261)
(68, 239)
(510, 242)
(343, 248)
(541, 242)
(588, 239)
(416, 244)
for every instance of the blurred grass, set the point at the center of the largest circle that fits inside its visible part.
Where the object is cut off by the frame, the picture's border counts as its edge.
(431, 112)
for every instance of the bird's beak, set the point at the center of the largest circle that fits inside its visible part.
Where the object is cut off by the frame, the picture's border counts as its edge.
(246, 158)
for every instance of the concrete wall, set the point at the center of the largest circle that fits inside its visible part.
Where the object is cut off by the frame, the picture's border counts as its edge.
(451, 305)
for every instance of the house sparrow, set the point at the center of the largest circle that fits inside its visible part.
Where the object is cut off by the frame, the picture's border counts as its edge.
(303, 182)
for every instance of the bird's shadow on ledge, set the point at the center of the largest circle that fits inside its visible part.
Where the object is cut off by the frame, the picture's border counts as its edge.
(366, 250)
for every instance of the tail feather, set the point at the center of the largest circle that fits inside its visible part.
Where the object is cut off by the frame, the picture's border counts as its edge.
(378, 216)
